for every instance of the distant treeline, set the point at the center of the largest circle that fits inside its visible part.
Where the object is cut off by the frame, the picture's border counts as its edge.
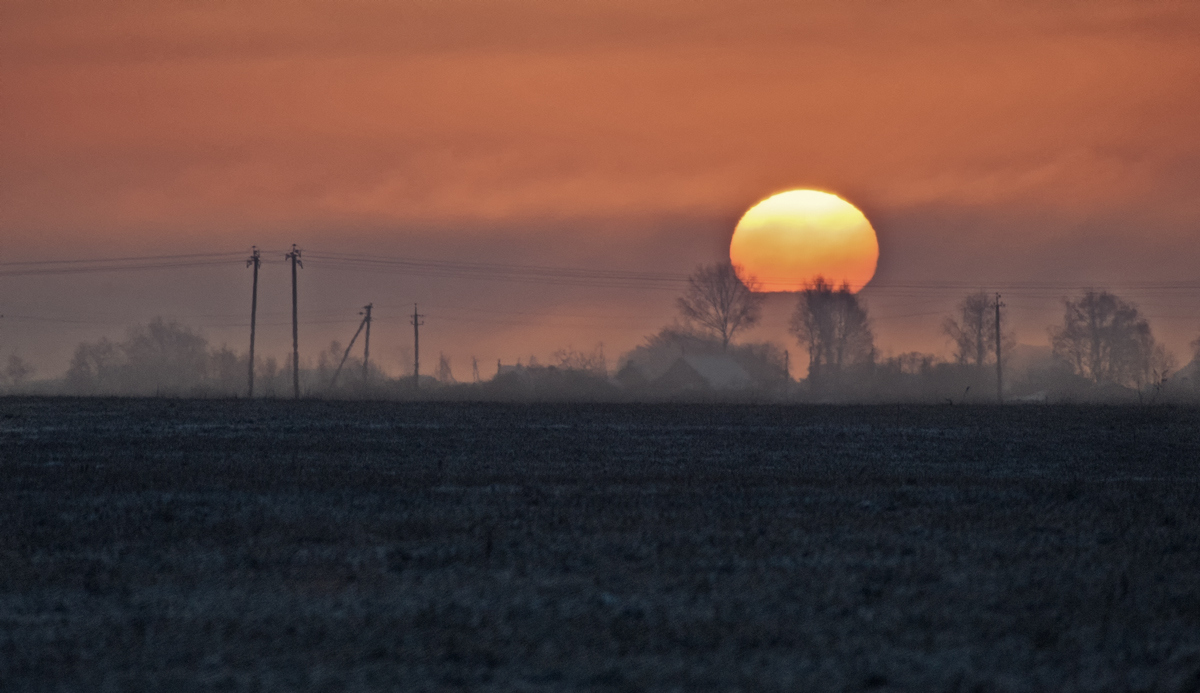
(1104, 350)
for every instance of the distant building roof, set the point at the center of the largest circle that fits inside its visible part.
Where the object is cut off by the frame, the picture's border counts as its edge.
(631, 377)
(715, 372)
(1190, 372)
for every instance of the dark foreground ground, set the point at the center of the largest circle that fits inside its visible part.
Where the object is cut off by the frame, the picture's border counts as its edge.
(207, 545)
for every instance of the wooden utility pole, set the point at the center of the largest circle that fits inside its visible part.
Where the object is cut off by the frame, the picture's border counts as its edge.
(294, 256)
(367, 339)
(254, 262)
(363, 323)
(416, 323)
(999, 358)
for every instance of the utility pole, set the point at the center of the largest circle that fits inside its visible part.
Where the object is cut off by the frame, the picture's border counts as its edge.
(254, 262)
(416, 323)
(999, 359)
(294, 256)
(367, 338)
(365, 322)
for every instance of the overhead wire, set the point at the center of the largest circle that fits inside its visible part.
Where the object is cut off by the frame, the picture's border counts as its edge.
(538, 273)
(134, 258)
(116, 264)
(535, 274)
(900, 294)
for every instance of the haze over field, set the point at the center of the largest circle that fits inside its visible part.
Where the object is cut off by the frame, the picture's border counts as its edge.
(1031, 148)
(761, 343)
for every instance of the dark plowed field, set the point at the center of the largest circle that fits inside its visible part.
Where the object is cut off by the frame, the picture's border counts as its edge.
(210, 545)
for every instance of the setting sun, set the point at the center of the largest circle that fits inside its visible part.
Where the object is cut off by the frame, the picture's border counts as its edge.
(789, 239)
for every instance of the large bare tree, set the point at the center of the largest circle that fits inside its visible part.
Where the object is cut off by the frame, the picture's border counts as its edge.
(720, 301)
(973, 330)
(1105, 339)
(832, 324)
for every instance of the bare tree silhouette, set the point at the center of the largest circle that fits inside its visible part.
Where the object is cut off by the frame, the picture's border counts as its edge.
(832, 325)
(719, 301)
(1105, 339)
(973, 330)
(592, 362)
(159, 357)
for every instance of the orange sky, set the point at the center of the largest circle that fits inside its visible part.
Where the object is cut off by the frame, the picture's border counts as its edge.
(987, 141)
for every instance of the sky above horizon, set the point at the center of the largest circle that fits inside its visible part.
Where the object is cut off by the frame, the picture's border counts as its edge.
(1031, 147)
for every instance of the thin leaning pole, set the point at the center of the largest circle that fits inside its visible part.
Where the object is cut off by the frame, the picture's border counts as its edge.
(365, 322)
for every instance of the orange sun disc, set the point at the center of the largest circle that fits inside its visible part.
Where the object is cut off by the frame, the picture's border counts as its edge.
(788, 240)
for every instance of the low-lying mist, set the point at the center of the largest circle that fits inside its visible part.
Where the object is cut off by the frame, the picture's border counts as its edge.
(169, 359)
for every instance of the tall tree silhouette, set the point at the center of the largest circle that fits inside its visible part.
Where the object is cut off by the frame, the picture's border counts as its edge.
(973, 330)
(1105, 339)
(832, 324)
(720, 302)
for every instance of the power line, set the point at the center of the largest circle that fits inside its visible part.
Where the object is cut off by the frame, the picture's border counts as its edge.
(134, 258)
(910, 315)
(136, 263)
(1160, 295)
(486, 321)
(45, 271)
(543, 274)
(500, 311)
(530, 273)
(578, 321)
(509, 273)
